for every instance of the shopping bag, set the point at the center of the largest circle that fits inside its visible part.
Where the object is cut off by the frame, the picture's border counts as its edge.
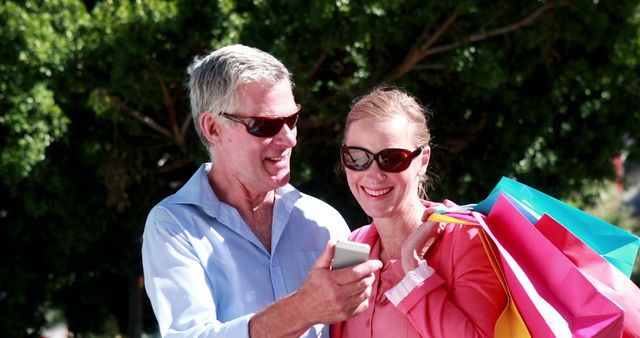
(553, 297)
(588, 312)
(616, 245)
(510, 323)
(540, 318)
(604, 276)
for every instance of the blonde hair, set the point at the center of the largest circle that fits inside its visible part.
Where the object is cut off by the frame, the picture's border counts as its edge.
(390, 102)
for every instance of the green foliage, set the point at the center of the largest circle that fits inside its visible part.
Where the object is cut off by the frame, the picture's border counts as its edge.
(33, 123)
(95, 125)
(608, 206)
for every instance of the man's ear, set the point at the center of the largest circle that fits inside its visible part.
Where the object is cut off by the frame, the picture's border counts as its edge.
(210, 127)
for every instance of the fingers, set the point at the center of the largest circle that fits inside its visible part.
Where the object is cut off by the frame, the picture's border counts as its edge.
(422, 233)
(337, 295)
(429, 204)
(355, 285)
(357, 272)
(361, 307)
(421, 236)
(432, 238)
(324, 261)
(431, 210)
(353, 305)
(419, 243)
(355, 295)
(357, 288)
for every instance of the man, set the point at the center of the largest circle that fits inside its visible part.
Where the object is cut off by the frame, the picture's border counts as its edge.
(237, 251)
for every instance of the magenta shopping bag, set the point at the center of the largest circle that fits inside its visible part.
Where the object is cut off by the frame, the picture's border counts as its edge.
(553, 296)
(616, 245)
(604, 276)
(587, 312)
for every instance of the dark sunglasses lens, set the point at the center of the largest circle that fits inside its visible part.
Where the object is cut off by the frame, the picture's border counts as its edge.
(356, 159)
(264, 127)
(291, 120)
(267, 127)
(394, 160)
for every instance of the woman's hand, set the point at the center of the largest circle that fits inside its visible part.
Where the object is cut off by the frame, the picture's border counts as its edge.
(422, 240)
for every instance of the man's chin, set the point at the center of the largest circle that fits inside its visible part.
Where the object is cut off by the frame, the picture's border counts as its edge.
(281, 180)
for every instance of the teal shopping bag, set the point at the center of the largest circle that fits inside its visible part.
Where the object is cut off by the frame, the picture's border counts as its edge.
(616, 245)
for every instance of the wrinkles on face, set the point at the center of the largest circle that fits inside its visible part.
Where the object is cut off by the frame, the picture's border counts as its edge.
(257, 165)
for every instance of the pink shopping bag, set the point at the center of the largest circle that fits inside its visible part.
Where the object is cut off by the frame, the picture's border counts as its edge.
(553, 296)
(605, 277)
(587, 312)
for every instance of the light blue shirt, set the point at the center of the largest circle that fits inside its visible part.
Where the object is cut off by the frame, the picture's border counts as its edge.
(205, 271)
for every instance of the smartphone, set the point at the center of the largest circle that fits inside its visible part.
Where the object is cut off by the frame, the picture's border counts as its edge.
(349, 253)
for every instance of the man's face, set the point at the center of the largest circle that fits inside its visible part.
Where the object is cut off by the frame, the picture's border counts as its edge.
(259, 164)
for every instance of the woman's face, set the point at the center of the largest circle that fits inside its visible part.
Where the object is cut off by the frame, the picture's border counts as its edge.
(384, 194)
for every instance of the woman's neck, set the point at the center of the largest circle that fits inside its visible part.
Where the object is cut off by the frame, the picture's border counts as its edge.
(394, 231)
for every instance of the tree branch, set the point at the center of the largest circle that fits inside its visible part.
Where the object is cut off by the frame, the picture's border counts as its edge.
(318, 63)
(185, 124)
(417, 52)
(425, 50)
(178, 136)
(527, 21)
(450, 20)
(139, 116)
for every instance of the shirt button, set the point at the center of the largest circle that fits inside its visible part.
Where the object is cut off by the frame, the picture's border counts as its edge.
(368, 322)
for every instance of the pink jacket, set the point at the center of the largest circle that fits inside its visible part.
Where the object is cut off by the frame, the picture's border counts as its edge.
(456, 295)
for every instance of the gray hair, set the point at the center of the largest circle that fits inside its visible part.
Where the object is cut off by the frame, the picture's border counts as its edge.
(213, 79)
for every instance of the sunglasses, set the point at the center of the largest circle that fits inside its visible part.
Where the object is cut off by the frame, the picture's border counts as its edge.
(391, 160)
(265, 126)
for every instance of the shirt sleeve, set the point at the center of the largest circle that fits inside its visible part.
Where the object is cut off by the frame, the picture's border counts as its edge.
(177, 286)
(468, 307)
(410, 281)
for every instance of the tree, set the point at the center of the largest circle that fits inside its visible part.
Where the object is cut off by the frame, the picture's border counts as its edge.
(95, 125)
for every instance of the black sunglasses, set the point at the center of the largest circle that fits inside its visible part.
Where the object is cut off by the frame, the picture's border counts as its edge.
(265, 126)
(391, 160)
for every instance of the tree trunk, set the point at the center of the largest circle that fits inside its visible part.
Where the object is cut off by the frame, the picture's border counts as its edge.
(136, 292)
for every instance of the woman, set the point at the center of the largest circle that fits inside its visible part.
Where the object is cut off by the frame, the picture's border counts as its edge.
(455, 291)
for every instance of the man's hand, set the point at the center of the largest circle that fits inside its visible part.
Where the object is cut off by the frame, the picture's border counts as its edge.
(416, 247)
(336, 295)
(326, 297)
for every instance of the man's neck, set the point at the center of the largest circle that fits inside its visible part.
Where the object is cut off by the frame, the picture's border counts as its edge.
(256, 209)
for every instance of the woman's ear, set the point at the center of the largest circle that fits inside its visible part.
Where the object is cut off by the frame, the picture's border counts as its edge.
(426, 156)
(209, 126)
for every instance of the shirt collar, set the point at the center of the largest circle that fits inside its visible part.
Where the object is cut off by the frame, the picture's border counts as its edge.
(198, 191)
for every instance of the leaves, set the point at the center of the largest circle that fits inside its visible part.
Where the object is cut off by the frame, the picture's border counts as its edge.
(31, 126)
(95, 124)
